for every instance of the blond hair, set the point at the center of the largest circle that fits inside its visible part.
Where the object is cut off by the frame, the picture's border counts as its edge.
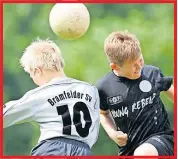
(44, 54)
(121, 46)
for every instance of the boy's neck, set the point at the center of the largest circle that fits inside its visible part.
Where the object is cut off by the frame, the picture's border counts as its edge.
(50, 75)
(116, 73)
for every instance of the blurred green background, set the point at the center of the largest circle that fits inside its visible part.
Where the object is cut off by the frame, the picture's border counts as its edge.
(85, 60)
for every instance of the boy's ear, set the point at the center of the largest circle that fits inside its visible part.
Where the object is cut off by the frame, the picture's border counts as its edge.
(114, 66)
(38, 71)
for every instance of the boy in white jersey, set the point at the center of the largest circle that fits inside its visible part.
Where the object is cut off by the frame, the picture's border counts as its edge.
(67, 110)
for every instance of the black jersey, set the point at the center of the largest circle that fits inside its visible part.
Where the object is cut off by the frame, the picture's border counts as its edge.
(135, 105)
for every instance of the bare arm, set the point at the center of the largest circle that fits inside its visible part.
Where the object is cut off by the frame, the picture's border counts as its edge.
(109, 125)
(107, 122)
(170, 93)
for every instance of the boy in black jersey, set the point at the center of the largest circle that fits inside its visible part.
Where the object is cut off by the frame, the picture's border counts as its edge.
(132, 112)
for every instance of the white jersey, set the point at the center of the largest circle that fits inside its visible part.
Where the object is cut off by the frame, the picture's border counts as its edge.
(63, 108)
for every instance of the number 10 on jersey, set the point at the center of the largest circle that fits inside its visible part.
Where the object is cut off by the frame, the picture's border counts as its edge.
(67, 121)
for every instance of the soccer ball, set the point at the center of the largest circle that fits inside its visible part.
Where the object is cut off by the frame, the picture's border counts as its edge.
(69, 20)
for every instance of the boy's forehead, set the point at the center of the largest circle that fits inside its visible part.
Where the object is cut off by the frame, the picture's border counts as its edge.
(130, 62)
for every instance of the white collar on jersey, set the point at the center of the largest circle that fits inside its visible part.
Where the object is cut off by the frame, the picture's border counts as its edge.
(58, 79)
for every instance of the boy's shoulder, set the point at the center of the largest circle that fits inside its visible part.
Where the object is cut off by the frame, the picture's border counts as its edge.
(149, 69)
(53, 83)
(72, 80)
(151, 72)
(104, 80)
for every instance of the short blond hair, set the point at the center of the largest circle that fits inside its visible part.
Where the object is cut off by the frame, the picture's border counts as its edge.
(121, 46)
(44, 54)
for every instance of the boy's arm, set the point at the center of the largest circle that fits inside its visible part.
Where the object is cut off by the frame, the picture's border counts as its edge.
(109, 125)
(107, 122)
(170, 93)
(18, 111)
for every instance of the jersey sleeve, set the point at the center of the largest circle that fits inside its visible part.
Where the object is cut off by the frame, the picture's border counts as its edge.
(103, 98)
(19, 111)
(164, 82)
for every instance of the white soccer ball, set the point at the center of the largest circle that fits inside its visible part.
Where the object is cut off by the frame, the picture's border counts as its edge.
(69, 20)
